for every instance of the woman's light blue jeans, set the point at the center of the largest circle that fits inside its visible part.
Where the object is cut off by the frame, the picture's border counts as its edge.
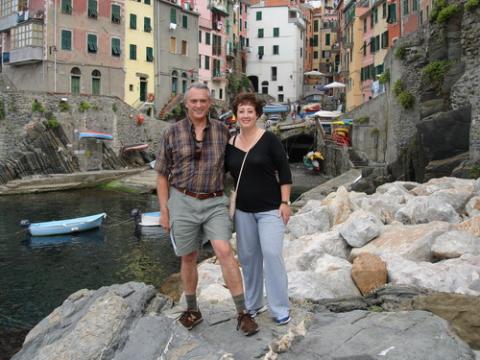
(260, 246)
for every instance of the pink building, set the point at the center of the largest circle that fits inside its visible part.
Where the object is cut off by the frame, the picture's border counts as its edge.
(204, 42)
(367, 55)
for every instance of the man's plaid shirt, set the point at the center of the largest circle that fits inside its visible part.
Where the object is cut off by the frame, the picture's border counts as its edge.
(176, 156)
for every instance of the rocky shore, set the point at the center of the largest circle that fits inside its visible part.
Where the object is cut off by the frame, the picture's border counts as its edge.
(392, 275)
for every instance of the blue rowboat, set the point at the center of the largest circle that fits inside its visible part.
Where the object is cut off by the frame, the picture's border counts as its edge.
(95, 135)
(66, 226)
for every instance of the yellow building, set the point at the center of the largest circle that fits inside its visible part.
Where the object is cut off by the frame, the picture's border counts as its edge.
(138, 52)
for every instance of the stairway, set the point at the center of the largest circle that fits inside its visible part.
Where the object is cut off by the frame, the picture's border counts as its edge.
(174, 101)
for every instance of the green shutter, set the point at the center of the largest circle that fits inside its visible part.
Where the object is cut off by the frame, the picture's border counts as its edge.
(147, 2)
(207, 38)
(95, 86)
(327, 39)
(276, 32)
(260, 33)
(149, 54)
(173, 15)
(116, 14)
(66, 40)
(259, 15)
(116, 47)
(92, 8)
(147, 26)
(92, 43)
(185, 21)
(133, 21)
(133, 52)
(67, 6)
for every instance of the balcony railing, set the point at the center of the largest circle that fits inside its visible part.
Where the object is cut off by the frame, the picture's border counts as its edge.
(26, 55)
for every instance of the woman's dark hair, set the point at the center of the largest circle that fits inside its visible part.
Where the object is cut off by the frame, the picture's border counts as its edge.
(248, 99)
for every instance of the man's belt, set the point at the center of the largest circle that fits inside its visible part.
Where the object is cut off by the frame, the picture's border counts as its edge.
(199, 196)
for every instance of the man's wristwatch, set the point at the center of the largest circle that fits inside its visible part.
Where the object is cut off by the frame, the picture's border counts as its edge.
(287, 202)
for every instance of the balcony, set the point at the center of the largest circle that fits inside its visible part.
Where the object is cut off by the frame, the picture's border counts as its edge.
(335, 47)
(218, 76)
(8, 21)
(26, 55)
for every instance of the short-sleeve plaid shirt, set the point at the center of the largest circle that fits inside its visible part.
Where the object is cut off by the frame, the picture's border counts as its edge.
(191, 165)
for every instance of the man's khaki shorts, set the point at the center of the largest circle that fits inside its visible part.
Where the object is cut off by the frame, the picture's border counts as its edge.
(194, 222)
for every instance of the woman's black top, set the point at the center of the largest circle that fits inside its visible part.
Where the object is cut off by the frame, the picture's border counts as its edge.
(265, 169)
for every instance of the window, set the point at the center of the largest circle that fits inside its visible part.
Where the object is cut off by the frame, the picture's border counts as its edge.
(384, 10)
(280, 97)
(327, 39)
(173, 15)
(364, 48)
(184, 47)
(276, 50)
(116, 14)
(147, 2)
(258, 15)
(173, 45)
(301, 52)
(199, 61)
(264, 87)
(149, 54)
(385, 40)
(260, 52)
(92, 9)
(405, 7)
(315, 25)
(375, 15)
(245, 25)
(365, 25)
(133, 21)
(185, 21)
(200, 36)
(260, 33)
(174, 82)
(315, 54)
(133, 52)
(92, 43)
(184, 83)
(67, 7)
(130, 87)
(414, 5)
(216, 68)
(207, 38)
(116, 50)
(147, 24)
(276, 32)
(75, 80)
(66, 36)
(315, 40)
(372, 20)
(392, 13)
(220, 94)
(273, 71)
(96, 85)
(207, 62)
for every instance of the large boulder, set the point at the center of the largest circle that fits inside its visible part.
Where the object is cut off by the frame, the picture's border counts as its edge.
(383, 206)
(310, 221)
(460, 275)
(413, 242)
(424, 209)
(339, 205)
(437, 184)
(369, 272)
(360, 228)
(453, 244)
(473, 206)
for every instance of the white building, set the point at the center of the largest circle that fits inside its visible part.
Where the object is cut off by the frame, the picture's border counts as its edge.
(277, 47)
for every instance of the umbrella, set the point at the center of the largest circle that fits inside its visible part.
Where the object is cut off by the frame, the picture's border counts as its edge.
(334, 85)
(313, 73)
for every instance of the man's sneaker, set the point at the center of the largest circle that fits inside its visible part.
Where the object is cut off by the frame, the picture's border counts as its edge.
(190, 318)
(258, 311)
(282, 321)
(247, 324)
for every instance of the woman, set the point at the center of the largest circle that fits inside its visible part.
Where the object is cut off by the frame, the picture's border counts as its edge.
(262, 209)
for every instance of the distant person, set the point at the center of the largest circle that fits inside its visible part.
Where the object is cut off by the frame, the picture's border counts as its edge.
(190, 165)
(262, 209)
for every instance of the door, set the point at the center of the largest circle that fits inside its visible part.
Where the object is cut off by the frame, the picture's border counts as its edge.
(75, 85)
(143, 89)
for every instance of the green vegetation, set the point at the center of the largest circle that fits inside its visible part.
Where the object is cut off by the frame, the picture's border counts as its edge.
(37, 106)
(384, 78)
(53, 123)
(375, 132)
(438, 5)
(375, 308)
(474, 172)
(84, 106)
(237, 83)
(471, 5)
(447, 12)
(114, 107)
(63, 106)
(435, 71)
(406, 99)
(397, 87)
(401, 52)
(362, 120)
(178, 112)
(2, 110)
(116, 185)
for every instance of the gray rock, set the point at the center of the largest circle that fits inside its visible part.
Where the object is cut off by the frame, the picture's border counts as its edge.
(424, 209)
(453, 244)
(364, 335)
(473, 206)
(309, 222)
(360, 228)
(384, 206)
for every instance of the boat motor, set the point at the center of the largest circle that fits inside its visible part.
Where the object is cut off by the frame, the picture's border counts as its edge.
(25, 223)
(137, 215)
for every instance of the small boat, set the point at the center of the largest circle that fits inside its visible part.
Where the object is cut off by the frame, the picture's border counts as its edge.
(146, 219)
(95, 135)
(94, 235)
(134, 147)
(66, 226)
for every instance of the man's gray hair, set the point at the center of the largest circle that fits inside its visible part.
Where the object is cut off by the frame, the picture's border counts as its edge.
(196, 85)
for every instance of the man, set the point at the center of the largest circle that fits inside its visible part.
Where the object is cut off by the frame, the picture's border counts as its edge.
(190, 166)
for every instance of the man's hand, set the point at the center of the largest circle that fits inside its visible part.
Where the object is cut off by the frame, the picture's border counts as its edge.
(165, 219)
(285, 212)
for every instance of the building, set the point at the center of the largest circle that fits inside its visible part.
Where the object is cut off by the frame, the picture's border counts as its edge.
(277, 45)
(138, 52)
(66, 46)
(176, 50)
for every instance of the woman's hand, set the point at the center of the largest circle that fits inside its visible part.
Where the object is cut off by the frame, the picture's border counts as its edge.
(285, 212)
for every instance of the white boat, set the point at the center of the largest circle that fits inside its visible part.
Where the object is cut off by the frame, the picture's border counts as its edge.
(146, 219)
(67, 226)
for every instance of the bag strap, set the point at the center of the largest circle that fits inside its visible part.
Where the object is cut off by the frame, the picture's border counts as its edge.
(244, 158)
